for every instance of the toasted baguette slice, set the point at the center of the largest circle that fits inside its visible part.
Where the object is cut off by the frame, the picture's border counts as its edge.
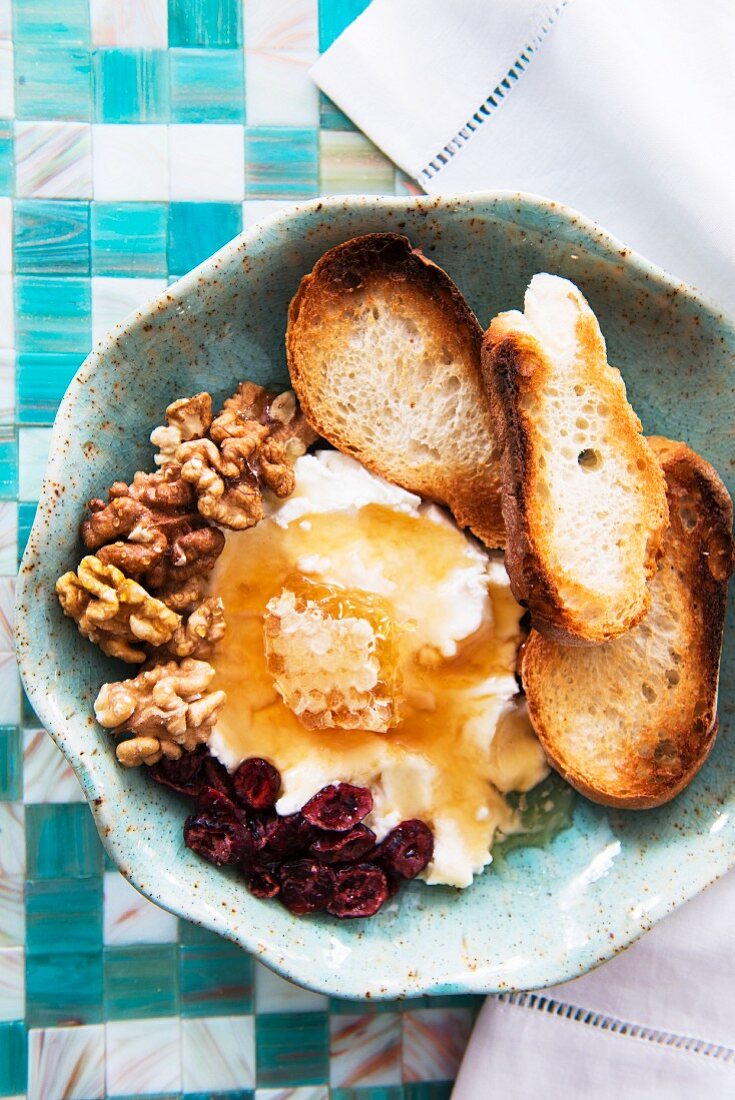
(630, 723)
(584, 500)
(384, 355)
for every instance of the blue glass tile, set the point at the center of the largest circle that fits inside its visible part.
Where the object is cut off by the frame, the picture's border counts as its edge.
(335, 16)
(64, 913)
(197, 229)
(216, 980)
(52, 82)
(130, 86)
(13, 1059)
(239, 1094)
(51, 21)
(280, 162)
(62, 842)
(42, 379)
(28, 717)
(291, 1048)
(8, 463)
(51, 237)
(11, 765)
(207, 86)
(52, 313)
(6, 158)
(428, 1090)
(204, 23)
(330, 116)
(140, 981)
(129, 238)
(194, 934)
(26, 516)
(369, 1092)
(63, 989)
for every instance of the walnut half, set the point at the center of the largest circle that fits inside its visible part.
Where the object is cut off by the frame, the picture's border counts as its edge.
(168, 709)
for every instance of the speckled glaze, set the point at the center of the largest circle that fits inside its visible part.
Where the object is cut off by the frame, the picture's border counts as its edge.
(548, 914)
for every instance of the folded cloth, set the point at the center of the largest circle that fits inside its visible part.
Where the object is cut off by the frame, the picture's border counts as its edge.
(621, 110)
(624, 111)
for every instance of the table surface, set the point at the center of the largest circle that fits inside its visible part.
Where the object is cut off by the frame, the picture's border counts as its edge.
(107, 194)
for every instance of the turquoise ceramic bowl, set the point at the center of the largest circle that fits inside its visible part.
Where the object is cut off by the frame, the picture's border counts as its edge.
(548, 914)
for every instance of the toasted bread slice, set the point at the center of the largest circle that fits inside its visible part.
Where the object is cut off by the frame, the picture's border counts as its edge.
(384, 355)
(630, 723)
(584, 499)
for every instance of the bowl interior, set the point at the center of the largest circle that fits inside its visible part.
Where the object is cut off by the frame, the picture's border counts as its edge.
(546, 914)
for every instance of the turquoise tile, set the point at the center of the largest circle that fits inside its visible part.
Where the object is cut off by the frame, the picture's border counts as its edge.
(51, 21)
(63, 989)
(52, 313)
(65, 913)
(369, 1092)
(8, 463)
(140, 981)
(194, 934)
(129, 238)
(204, 23)
(28, 717)
(62, 842)
(26, 516)
(11, 765)
(280, 162)
(343, 1007)
(42, 378)
(216, 980)
(207, 85)
(292, 1048)
(52, 82)
(239, 1094)
(131, 86)
(6, 158)
(13, 1058)
(428, 1090)
(334, 16)
(51, 237)
(197, 229)
(330, 116)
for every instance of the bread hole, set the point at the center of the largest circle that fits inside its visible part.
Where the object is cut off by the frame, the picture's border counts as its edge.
(602, 409)
(719, 555)
(589, 459)
(376, 313)
(579, 389)
(641, 464)
(648, 693)
(666, 752)
(582, 422)
(688, 515)
(447, 356)
(672, 677)
(452, 384)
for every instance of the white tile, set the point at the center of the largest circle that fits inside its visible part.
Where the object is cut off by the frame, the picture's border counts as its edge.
(33, 446)
(6, 19)
(131, 918)
(129, 23)
(207, 162)
(8, 537)
(47, 775)
(7, 84)
(281, 24)
(279, 90)
(53, 160)
(275, 994)
(12, 839)
(7, 314)
(255, 210)
(9, 692)
(6, 234)
(113, 299)
(12, 983)
(130, 163)
(66, 1063)
(218, 1052)
(143, 1057)
(12, 910)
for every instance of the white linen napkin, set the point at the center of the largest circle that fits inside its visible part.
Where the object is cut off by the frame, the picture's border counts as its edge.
(624, 110)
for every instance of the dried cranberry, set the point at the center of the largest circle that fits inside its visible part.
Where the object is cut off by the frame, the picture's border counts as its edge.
(215, 774)
(182, 775)
(289, 836)
(359, 892)
(407, 849)
(216, 803)
(344, 847)
(306, 886)
(263, 881)
(257, 783)
(221, 840)
(338, 807)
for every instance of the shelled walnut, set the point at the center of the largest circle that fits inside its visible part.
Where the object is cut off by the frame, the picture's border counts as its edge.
(151, 530)
(199, 633)
(251, 445)
(115, 611)
(168, 709)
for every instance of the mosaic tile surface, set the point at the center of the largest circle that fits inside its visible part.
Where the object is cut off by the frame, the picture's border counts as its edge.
(135, 139)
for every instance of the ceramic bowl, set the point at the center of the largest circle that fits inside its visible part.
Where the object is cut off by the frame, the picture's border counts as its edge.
(547, 914)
